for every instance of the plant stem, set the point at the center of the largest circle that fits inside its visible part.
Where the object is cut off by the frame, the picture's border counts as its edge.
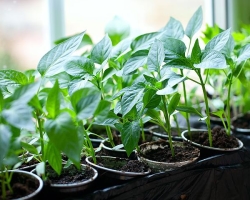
(40, 132)
(142, 131)
(177, 125)
(207, 108)
(228, 116)
(186, 104)
(110, 136)
(168, 129)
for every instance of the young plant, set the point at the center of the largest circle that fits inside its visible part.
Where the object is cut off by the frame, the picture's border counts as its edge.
(15, 116)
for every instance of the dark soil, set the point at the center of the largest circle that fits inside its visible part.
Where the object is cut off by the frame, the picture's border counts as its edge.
(182, 153)
(220, 139)
(125, 165)
(242, 122)
(69, 175)
(22, 186)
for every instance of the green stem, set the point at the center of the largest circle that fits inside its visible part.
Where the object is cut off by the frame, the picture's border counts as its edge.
(40, 127)
(207, 109)
(168, 129)
(228, 116)
(110, 136)
(177, 125)
(3, 186)
(142, 131)
(186, 103)
(91, 149)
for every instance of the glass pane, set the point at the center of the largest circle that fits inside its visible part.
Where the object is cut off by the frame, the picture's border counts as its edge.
(142, 15)
(23, 32)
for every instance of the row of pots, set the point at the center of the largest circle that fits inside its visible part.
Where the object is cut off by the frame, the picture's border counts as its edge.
(119, 158)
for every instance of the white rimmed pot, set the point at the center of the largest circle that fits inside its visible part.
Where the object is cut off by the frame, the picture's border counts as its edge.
(110, 167)
(21, 177)
(207, 150)
(64, 188)
(159, 166)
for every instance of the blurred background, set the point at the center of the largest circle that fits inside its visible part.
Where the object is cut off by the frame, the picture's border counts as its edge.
(28, 28)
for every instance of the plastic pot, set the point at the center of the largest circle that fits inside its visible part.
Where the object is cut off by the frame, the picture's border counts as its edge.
(156, 166)
(110, 167)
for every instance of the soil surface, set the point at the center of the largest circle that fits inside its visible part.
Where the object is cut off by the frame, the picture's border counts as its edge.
(220, 139)
(121, 164)
(242, 122)
(69, 175)
(22, 186)
(182, 153)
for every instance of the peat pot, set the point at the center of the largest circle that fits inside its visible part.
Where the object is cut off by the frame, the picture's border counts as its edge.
(119, 168)
(161, 149)
(82, 181)
(206, 150)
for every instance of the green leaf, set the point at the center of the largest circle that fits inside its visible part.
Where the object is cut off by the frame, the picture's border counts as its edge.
(212, 60)
(102, 110)
(53, 101)
(53, 155)
(181, 63)
(154, 114)
(79, 66)
(30, 148)
(110, 120)
(52, 62)
(78, 84)
(150, 79)
(19, 116)
(130, 135)
(86, 40)
(5, 139)
(196, 52)
(244, 53)
(229, 47)
(137, 60)
(144, 41)
(155, 56)
(131, 97)
(25, 93)
(167, 90)
(121, 48)
(173, 29)
(194, 23)
(85, 102)
(101, 50)
(63, 133)
(151, 99)
(174, 48)
(174, 101)
(218, 42)
(12, 77)
(188, 109)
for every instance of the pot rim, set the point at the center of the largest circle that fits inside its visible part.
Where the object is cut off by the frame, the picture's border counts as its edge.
(56, 185)
(208, 147)
(34, 193)
(115, 171)
(166, 163)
